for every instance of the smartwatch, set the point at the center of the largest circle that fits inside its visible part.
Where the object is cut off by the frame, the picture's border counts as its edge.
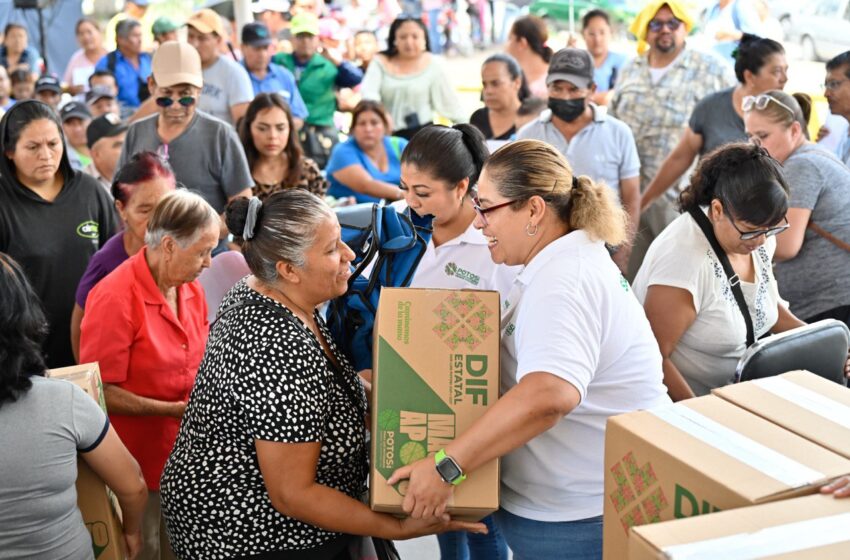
(448, 469)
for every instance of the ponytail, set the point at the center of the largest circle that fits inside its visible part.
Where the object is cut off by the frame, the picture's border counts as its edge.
(448, 154)
(596, 211)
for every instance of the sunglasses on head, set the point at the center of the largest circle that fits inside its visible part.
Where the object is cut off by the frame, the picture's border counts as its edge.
(657, 25)
(169, 101)
(760, 102)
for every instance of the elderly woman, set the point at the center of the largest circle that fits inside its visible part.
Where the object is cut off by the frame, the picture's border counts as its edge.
(44, 425)
(732, 211)
(146, 323)
(818, 213)
(576, 349)
(367, 166)
(276, 416)
(52, 218)
(137, 188)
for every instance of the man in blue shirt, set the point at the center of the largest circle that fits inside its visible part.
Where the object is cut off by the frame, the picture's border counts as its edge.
(130, 66)
(267, 77)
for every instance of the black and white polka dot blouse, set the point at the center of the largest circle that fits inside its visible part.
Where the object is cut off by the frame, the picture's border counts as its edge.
(263, 378)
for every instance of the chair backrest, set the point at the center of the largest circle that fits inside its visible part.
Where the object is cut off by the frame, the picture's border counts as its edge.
(820, 348)
(224, 272)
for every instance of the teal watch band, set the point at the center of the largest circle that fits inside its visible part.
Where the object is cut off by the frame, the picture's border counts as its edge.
(448, 469)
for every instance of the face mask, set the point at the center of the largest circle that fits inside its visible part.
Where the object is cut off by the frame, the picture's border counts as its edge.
(567, 109)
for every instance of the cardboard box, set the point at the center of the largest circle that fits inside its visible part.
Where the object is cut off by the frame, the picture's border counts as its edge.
(799, 401)
(101, 513)
(701, 456)
(810, 528)
(435, 371)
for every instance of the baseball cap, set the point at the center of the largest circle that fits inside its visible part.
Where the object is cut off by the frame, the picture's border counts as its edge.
(97, 93)
(261, 6)
(140, 3)
(176, 62)
(74, 110)
(164, 25)
(256, 34)
(206, 21)
(105, 126)
(571, 65)
(304, 23)
(48, 83)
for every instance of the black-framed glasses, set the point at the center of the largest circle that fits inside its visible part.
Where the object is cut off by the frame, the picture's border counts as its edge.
(832, 85)
(187, 101)
(481, 212)
(656, 25)
(750, 235)
(761, 102)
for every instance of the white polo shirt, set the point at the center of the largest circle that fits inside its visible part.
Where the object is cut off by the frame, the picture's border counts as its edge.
(572, 314)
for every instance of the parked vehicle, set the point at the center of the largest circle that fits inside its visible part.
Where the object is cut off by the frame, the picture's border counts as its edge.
(822, 29)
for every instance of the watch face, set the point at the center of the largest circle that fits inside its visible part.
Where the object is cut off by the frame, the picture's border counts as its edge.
(449, 470)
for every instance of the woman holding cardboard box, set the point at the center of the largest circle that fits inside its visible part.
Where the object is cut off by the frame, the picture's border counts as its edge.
(44, 424)
(439, 170)
(270, 460)
(576, 349)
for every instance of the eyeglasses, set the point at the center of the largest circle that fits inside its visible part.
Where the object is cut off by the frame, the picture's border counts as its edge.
(761, 102)
(832, 85)
(750, 235)
(476, 205)
(187, 101)
(657, 25)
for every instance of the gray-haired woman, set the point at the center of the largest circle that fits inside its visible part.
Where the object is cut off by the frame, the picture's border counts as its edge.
(271, 456)
(146, 323)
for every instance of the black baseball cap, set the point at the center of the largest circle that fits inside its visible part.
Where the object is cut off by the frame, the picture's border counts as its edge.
(571, 65)
(105, 126)
(48, 83)
(74, 110)
(256, 34)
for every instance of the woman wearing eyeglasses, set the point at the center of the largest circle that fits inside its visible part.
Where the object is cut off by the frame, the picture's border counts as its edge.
(738, 196)
(576, 348)
(718, 118)
(819, 213)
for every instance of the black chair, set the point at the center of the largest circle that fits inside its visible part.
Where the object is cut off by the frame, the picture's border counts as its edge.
(820, 348)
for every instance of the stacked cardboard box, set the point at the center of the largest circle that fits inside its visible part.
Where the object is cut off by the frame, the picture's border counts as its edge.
(97, 504)
(701, 456)
(809, 528)
(435, 371)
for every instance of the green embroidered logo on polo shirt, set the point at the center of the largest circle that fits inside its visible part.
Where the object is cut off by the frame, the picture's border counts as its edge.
(88, 229)
(510, 329)
(624, 283)
(454, 270)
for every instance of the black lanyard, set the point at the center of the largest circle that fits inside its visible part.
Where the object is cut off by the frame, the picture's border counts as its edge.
(734, 282)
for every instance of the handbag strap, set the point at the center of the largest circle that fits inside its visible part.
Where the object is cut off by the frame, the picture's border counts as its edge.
(734, 281)
(337, 372)
(828, 236)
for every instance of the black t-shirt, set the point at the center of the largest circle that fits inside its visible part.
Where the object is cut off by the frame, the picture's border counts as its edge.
(480, 119)
(53, 242)
(262, 378)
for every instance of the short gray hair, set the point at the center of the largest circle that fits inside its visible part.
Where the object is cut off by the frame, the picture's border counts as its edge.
(125, 26)
(181, 215)
(285, 230)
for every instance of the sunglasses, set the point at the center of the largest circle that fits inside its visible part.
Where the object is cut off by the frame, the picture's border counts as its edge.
(750, 235)
(187, 101)
(761, 102)
(482, 212)
(657, 25)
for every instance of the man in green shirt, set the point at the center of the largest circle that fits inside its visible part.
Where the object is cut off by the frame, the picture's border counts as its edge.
(318, 73)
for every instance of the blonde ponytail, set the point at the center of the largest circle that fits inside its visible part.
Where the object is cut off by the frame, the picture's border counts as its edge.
(596, 211)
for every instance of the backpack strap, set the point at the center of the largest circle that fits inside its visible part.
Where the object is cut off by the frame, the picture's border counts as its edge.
(734, 282)
(111, 62)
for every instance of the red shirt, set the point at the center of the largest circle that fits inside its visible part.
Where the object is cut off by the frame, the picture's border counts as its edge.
(143, 348)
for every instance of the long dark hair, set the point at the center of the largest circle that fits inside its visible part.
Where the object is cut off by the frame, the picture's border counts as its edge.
(293, 151)
(745, 179)
(16, 120)
(448, 154)
(533, 30)
(23, 327)
(752, 54)
(391, 49)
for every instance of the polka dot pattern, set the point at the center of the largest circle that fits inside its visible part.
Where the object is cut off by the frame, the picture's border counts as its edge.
(264, 378)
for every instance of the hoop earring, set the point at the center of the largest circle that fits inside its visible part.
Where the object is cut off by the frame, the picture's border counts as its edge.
(528, 231)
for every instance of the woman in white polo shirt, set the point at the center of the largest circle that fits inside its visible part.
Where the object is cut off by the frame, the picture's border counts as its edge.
(576, 349)
(439, 169)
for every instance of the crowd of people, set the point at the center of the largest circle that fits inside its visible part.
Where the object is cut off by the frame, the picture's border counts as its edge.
(167, 209)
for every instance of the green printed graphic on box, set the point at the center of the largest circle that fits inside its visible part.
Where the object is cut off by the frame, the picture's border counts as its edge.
(413, 420)
(637, 492)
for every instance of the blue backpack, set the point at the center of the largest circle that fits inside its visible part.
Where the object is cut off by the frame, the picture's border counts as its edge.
(393, 243)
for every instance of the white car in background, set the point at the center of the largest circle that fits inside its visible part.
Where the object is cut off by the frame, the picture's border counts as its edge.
(821, 28)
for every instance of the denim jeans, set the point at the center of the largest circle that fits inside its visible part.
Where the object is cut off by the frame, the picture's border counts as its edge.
(564, 540)
(460, 545)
